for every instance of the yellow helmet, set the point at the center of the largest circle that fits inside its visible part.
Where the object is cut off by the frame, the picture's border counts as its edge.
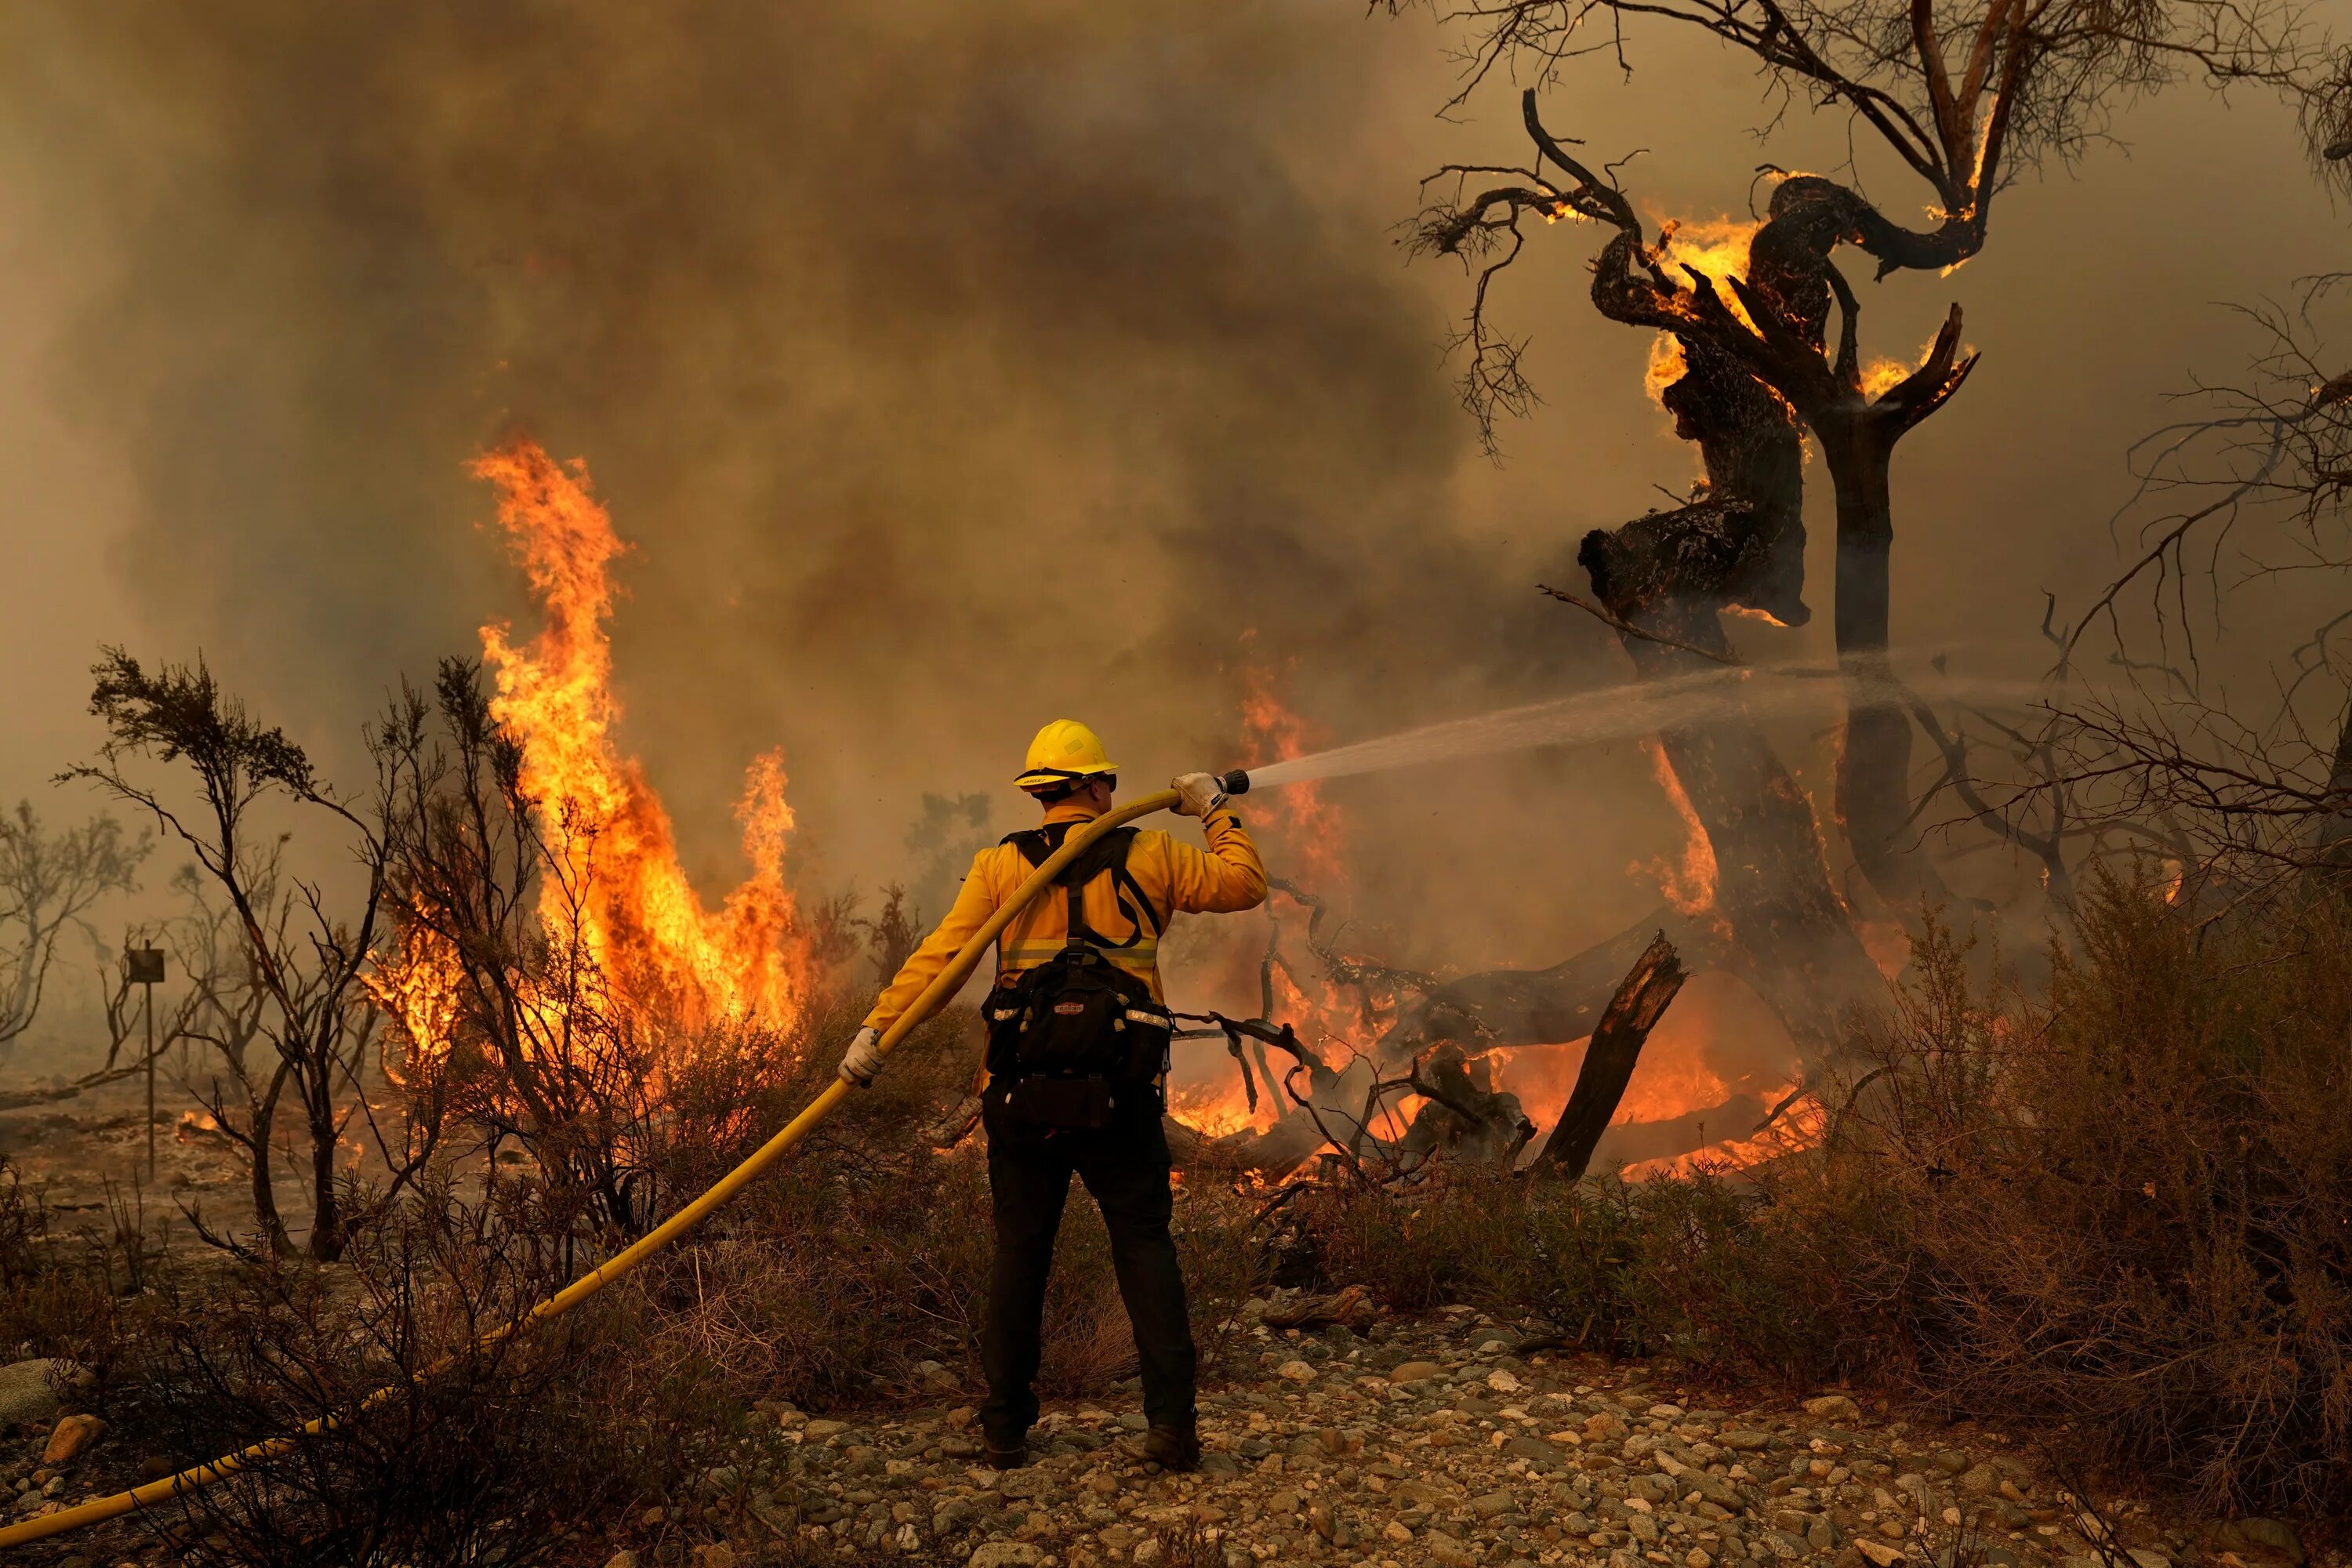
(1063, 749)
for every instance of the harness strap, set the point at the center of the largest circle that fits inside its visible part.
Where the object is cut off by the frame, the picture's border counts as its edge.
(1107, 854)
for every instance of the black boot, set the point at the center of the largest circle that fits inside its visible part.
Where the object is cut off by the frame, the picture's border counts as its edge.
(1173, 1448)
(1008, 1457)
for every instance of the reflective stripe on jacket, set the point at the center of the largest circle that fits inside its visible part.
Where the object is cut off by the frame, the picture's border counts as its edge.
(1225, 877)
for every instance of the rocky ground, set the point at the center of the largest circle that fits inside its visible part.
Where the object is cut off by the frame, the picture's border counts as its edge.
(1426, 1442)
(1429, 1441)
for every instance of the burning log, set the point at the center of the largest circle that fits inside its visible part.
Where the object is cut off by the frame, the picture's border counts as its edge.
(952, 1127)
(1617, 1041)
(1463, 1118)
(1335, 1107)
(1276, 1151)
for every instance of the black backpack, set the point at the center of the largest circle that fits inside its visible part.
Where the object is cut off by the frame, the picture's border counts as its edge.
(1077, 1038)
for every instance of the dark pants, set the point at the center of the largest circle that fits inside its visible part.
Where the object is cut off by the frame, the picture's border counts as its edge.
(1125, 1166)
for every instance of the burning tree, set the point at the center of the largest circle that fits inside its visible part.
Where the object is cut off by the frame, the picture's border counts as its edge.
(1966, 98)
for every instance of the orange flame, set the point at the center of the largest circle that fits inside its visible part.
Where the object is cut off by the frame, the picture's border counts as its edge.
(1798, 1127)
(660, 951)
(616, 891)
(1688, 883)
(1881, 376)
(1308, 840)
(1214, 1108)
(1718, 247)
(417, 989)
(1667, 362)
(1249, 964)
(1306, 824)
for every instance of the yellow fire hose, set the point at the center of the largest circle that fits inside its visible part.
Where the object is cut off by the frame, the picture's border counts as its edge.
(936, 994)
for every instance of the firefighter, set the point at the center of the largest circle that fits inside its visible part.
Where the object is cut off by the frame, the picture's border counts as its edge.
(1077, 1066)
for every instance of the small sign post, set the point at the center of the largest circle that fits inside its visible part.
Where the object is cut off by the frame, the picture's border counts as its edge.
(143, 966)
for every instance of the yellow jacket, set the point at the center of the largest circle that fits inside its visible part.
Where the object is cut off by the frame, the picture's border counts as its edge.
(1226, 877)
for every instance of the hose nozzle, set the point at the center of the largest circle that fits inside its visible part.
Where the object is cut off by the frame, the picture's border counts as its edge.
(1234, 782)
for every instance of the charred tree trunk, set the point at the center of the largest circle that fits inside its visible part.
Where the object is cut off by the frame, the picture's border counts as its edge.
(1791, 938)
(1640, 1002)
(1873, 772)
(1787, 296)
(328, 1230)
(266, 1217)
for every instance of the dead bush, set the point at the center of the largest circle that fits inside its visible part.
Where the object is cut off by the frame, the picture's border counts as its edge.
(1658, 1267)
(2123, 1210)
(486, 1446)
(57, 1291)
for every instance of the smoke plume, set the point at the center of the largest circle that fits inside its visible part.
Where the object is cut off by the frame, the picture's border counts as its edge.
(951, 369)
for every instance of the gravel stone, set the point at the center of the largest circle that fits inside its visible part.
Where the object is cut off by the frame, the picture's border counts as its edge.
(1392, 1457)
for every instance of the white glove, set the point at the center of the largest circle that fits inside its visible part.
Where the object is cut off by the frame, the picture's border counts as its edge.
(1201, 793)
(862, 1061)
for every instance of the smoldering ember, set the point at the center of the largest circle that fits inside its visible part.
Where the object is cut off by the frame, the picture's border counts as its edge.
(1059, 784)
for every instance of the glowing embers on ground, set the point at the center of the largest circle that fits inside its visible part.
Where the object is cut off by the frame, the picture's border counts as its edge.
(1717, 1061)
(619, 895)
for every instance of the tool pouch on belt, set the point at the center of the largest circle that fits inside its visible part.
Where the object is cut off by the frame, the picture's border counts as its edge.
(1077, 1039)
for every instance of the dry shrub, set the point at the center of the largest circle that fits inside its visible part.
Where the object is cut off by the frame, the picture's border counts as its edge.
(836, 1281)
(57, 1293)
(1661, 1266)
(734, 1090)
(487, 1447)
(2124, 1209)
(1187, 1545)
